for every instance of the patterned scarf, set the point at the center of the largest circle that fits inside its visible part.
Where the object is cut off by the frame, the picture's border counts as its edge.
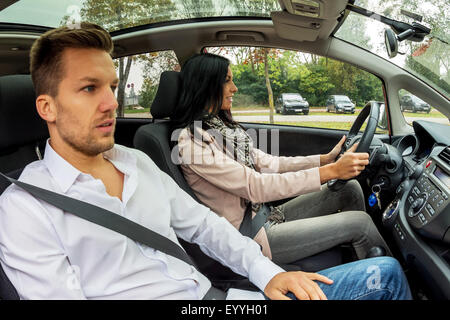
(240, 144)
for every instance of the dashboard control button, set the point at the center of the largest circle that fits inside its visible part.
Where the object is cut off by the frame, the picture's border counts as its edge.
(422, 218)
(440, 202)
(431, 211)
(417, 204)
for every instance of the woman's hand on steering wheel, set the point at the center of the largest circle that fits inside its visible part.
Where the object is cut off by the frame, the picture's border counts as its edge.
(351, 163)
(331, 156)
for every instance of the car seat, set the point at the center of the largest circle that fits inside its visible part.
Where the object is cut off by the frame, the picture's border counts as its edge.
(22, 139)
(157, 140)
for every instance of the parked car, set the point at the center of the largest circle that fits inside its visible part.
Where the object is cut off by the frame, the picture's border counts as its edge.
(340, 104)
(412, 161)
(411, 102)
(291, 103)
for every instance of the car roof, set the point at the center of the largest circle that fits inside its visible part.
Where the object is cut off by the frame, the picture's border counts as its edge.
(185, 31)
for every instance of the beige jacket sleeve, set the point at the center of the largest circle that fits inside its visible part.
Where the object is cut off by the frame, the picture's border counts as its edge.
(273, 164)
(212, 164)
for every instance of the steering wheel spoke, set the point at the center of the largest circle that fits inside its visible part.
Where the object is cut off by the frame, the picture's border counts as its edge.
(371, 112)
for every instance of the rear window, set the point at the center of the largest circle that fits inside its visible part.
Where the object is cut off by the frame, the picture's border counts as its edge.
(139, 79)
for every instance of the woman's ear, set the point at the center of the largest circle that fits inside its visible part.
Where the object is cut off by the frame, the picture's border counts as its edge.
(45, 106)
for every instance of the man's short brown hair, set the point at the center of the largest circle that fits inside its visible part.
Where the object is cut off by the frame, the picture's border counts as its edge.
(46, 53)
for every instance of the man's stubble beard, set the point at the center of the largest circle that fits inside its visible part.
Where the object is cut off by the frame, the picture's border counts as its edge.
(86, 145)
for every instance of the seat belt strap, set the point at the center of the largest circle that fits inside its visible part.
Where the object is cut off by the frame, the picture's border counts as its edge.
(115, 222)
(249, 227)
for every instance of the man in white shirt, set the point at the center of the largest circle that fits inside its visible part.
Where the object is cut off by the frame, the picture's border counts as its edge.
(51, 254)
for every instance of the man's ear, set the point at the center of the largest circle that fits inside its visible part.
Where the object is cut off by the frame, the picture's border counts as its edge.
(46, 107)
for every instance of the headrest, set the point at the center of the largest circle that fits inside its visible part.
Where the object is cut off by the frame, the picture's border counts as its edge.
(166, 98)
(20, 124)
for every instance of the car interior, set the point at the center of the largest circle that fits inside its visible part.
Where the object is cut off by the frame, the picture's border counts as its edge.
(410, 163)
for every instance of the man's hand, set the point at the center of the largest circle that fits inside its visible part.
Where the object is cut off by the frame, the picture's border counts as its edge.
(331, 156)
(299, 283)
(349, 165)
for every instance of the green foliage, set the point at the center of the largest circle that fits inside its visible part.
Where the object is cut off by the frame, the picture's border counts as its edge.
(313, 77)
(147, 94)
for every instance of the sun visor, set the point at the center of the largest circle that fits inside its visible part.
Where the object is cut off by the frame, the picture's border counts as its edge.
(293, 27)
(307, 20)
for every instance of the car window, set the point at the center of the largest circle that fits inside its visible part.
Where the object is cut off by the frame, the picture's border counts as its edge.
(139, 80)
(414, 108)
(342, 99)
(312, 79)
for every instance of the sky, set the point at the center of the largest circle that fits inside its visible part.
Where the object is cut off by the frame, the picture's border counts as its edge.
(21, 10)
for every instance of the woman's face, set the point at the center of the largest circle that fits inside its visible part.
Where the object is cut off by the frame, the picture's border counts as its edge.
(229, 89)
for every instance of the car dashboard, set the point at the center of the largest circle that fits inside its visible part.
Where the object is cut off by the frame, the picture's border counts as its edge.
(419, 214)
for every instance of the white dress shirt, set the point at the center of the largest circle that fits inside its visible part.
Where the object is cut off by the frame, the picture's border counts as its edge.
(51, 254)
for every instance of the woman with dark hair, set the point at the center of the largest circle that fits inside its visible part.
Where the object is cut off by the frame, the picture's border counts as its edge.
(235, 179)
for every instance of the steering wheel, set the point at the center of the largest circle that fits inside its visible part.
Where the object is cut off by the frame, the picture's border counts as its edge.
(371, 110)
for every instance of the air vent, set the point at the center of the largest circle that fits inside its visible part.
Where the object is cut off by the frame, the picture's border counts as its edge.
(306, 8)
(445, 155)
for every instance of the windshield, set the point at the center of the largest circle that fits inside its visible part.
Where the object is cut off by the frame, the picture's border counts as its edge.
(417, 100)
(342, 99)
(119, 14)
(429, 60)
(293, 98)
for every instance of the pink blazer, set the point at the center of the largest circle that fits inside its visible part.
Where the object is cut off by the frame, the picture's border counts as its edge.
(222, 183)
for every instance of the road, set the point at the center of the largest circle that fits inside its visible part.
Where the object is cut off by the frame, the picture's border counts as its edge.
(327, 117)
(324, 118)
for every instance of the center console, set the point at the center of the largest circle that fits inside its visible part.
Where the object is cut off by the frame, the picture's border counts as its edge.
(424, 197)
(419, 217)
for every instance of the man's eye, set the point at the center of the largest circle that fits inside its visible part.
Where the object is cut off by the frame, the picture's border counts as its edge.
(89, 88)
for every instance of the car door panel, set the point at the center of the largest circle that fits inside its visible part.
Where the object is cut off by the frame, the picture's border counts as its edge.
(294, 141)
(298, 141)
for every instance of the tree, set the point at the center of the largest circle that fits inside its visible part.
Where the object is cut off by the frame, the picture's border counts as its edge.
(119, 14)
(428, 59)
(259, 55)
(153, 64)
(269, 87)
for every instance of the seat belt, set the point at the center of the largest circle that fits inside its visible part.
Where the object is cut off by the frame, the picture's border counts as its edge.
(249, 227)
(115, 222)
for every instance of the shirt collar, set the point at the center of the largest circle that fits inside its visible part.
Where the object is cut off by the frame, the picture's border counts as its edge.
(65, 174)
(62, 171)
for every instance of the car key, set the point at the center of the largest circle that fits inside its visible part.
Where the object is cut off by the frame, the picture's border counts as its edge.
(376, 191)
(374, 197)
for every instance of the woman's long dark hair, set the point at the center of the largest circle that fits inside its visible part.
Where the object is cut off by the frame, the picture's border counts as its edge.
(202, 79)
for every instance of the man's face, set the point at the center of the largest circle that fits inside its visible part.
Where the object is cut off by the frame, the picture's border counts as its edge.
(86, 104)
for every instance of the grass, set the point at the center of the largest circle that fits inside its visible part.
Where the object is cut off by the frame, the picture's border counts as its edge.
(322, 124)
(421, 114)
(313, 113)
(145, 110)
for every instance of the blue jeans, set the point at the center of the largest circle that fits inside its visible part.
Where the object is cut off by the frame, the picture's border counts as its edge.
(380, 278)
